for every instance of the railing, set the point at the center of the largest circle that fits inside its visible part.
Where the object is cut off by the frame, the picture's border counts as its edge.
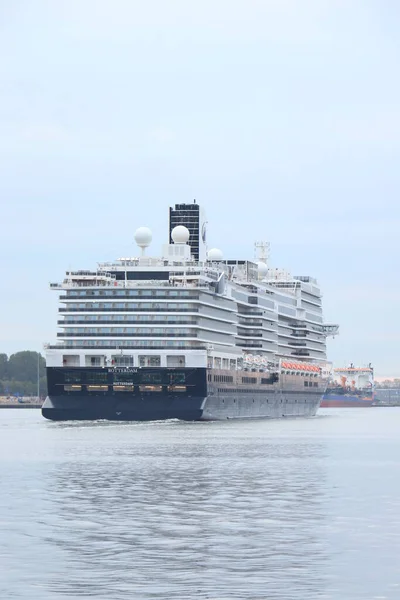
(108, 323)
(247, 345)
(129, 335)
(176, 283)
(146, 310)
(247, 334)
(119, 347)
(133, 298)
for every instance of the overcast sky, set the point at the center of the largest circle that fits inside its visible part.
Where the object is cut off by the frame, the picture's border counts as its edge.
(281, 117)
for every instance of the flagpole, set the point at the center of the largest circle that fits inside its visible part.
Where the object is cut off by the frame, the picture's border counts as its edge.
(38, 371)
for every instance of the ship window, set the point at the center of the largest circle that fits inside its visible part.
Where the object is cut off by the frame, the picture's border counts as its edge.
(177, 388)
(151, 377)
(176, 377)
(150, 388)
(150, 361)
(123, 388)
(249, 380)
(72, 377)
(97, 388)
(271, 379)
(71, 360)
(122, 361)
(123, 377)
(72, 388)
(93, 361)
(97, 378)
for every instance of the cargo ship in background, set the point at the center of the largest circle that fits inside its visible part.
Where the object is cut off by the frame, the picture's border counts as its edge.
(186, 335)
(351, 387)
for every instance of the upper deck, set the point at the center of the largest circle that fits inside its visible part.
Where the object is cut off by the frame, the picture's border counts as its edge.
(174, 303)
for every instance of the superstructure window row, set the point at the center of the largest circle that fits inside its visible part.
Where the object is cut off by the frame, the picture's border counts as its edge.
(130, 330)
(131, 344)
(130, 306)
(168, 293)
(129, 318)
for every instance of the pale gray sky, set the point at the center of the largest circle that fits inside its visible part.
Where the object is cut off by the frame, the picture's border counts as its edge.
(282, 117)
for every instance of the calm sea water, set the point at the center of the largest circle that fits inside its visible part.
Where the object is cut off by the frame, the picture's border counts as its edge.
(289, 509)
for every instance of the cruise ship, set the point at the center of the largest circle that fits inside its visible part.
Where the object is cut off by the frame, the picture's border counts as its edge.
(186, 335)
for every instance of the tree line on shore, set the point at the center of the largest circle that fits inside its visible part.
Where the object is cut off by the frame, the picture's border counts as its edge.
(388, 384)
(20, 373)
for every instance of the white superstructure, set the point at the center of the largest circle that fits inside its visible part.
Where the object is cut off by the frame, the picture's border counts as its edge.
(172, 310)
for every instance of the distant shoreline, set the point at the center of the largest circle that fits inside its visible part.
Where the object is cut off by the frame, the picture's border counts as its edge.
(21, 405)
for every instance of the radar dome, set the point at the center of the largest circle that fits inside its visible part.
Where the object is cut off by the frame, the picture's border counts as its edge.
(143, 237)
(214, 254)
(262, 269)
(180, 234)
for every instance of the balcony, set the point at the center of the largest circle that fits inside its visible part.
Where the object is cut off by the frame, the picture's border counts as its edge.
(118, 346)
(248, 334)
(146, 310)
(116, 323)
(128, 335)
(170, 297)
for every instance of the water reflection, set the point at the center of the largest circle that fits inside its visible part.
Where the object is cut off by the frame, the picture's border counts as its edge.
(193, 515)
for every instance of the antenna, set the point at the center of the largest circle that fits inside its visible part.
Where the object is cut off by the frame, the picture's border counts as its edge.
(261, 251)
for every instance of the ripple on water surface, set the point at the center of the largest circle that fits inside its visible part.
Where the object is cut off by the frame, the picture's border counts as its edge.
(291, 509)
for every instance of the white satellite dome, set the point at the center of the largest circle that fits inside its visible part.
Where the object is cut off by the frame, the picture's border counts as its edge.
(262, 269)
(143, 237)
(180, 234)
(215, 254)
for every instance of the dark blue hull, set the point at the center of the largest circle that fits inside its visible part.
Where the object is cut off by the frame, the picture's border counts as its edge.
(88, 408)
(276, 404)
(160, 394)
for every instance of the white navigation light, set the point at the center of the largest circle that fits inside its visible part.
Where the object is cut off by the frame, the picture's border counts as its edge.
(262, 269)
(143, 237)
(215, 255)
(180, 234)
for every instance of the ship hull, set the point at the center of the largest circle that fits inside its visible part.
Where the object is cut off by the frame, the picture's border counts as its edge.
(345, 401)
(83, 408)
(275, 405)
(151, 394)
